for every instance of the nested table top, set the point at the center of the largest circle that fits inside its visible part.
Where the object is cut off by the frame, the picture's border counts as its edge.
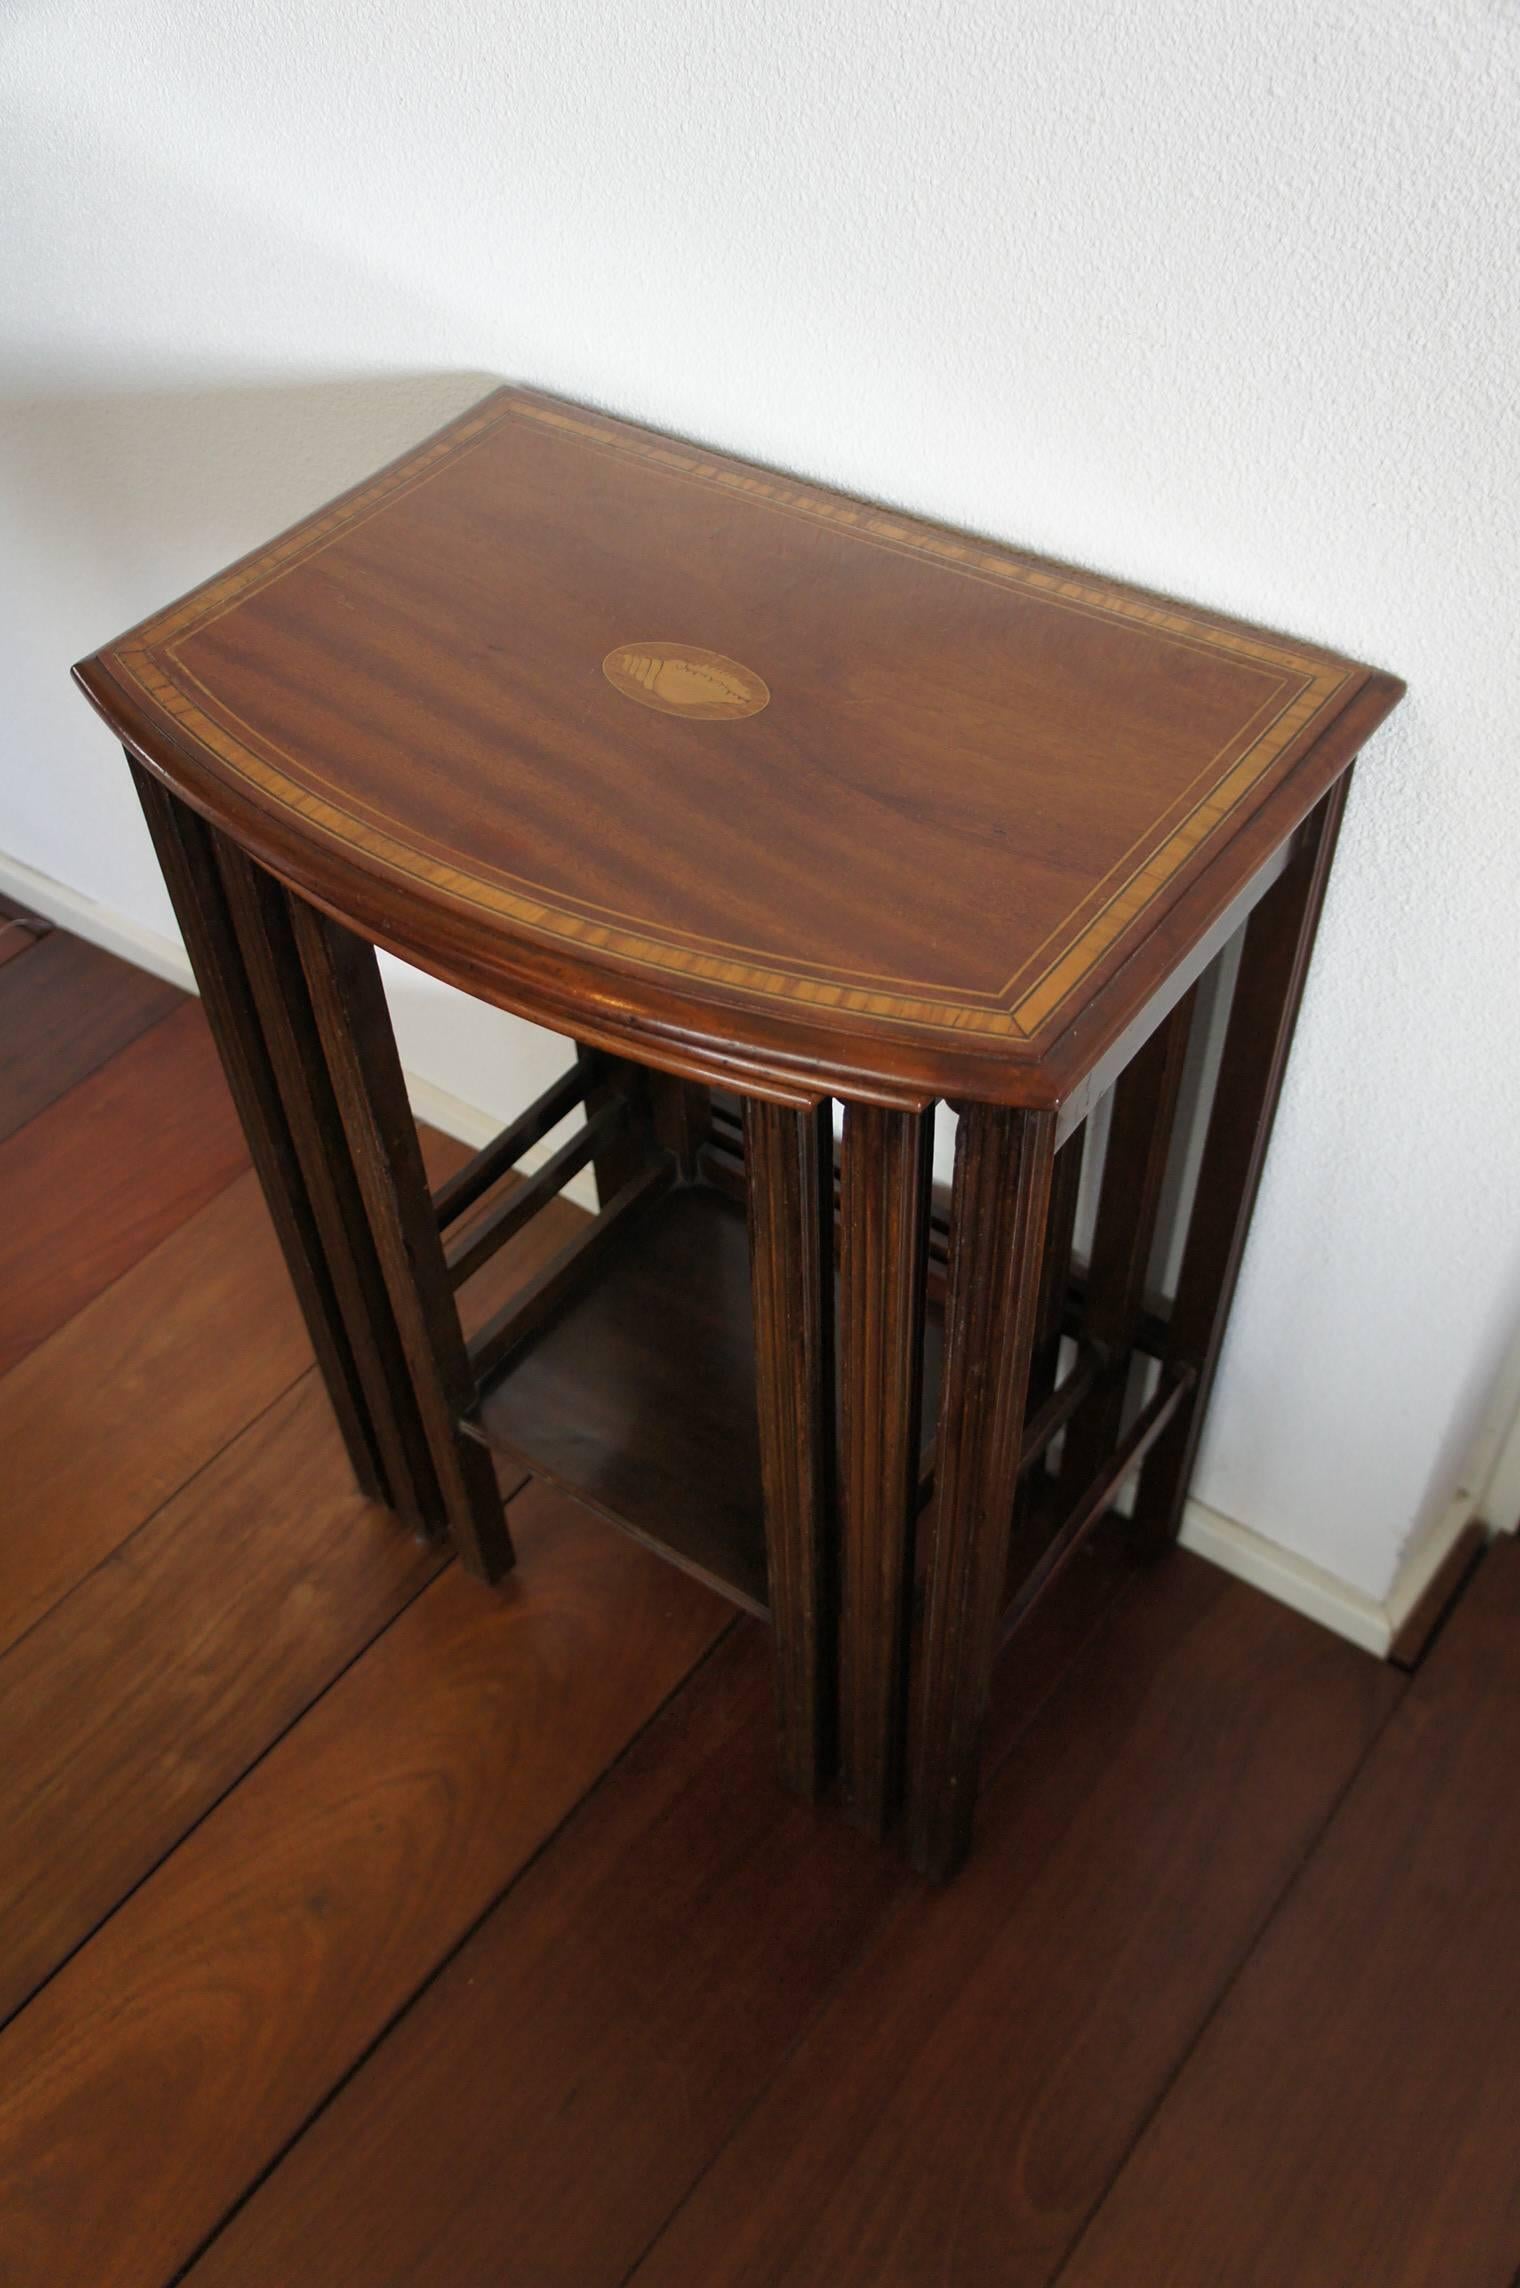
(664, 748)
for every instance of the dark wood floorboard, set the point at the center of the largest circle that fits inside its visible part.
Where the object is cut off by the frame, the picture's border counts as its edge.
(983, 2070)
(1351, 2114)
(117, 1409)
(364, 1926)
(148, 1691)
(107, 1171)
(549, 2100)
(167, 2063)
(125, 1402)
(167, 1669)
(558, 2089)
(64, 1009)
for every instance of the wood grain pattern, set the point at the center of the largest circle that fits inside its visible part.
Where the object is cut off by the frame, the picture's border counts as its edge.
(556, 2091)
(94, 1182)
(982, 785)
(701, 2033)
(259, 911)
(186, 850)
(119, 1408)
(998, 1218)
(885, 1171)
(567, 2078)
(149, 1690)
(167, 2064)
(122, 1406)
(64, 1011)
(660, 1434)
(1349, 2115)
(980, 2073)
(789, 1160)
(378, 1144)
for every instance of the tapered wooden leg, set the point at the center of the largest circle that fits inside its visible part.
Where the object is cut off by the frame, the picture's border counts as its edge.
(262, 913)
(1139, 1145)
(884, 1215)
(682, 1119)
(997, 1226)
(622, 1153)
(186, 855)
(1279, 939)
(676, 1112)
(789, 1190)
(348, 1003)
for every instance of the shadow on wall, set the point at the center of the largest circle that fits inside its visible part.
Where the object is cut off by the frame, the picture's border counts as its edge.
(170, 483)
(118, 502)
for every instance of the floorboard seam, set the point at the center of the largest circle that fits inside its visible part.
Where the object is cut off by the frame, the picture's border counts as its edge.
(1311, 1851)
(1438, 1626)
(94, 1071)
(300, 1716)
(1123, 1591)
(357, 2064)
(128, 1270)
(156, 1511)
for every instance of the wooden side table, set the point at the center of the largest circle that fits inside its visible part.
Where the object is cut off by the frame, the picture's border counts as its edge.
(764, 798)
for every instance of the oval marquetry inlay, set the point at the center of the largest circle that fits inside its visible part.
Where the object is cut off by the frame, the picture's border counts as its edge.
(685, 679)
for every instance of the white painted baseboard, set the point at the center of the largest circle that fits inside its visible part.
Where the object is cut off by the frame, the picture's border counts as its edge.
(1489, 1495)
(1324, 1597)
(1222, 1540)
(72, 910)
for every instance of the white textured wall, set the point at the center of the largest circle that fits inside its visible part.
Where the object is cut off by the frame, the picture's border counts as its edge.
(1219, 294)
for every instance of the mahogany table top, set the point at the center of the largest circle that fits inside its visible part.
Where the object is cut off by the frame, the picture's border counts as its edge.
(669, 750)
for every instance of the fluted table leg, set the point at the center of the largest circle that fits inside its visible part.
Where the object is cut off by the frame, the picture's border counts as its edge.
(186, 849)
(789, 1192)
(884, 1217)
(263, 913)
(348, 1002)
(998, 1218)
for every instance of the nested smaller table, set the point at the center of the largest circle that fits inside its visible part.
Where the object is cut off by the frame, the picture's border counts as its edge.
(766, 799)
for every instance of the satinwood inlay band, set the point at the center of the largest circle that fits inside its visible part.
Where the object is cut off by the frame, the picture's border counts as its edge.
(1288, 692)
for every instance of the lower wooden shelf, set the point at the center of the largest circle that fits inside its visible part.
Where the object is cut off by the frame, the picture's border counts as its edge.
(639, 1397)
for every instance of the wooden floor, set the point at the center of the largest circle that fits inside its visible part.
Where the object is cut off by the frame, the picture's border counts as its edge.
(359, 1925)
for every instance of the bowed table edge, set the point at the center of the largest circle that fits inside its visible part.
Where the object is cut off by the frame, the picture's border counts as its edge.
(701, 1034)
(296, 1003)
